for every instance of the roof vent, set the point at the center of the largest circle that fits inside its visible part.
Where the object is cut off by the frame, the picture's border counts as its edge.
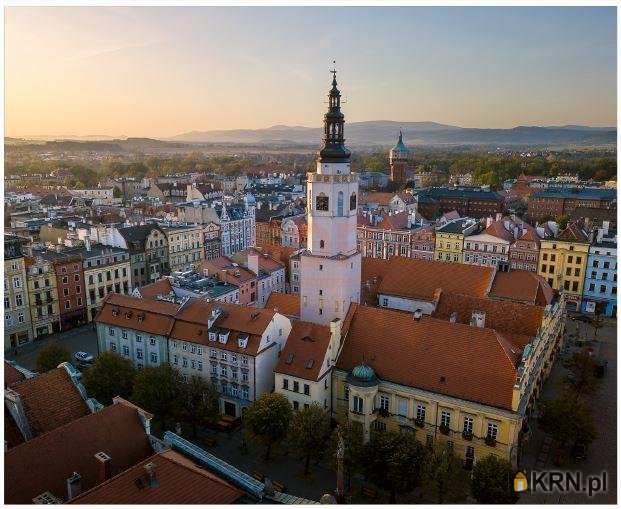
(289, 359)
(309, 363)
(141, 317)
(418, 314)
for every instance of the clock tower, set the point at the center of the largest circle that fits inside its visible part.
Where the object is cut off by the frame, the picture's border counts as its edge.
(330, 267)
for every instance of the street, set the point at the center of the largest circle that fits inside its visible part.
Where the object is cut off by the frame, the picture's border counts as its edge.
(602, 453)
(80, 339)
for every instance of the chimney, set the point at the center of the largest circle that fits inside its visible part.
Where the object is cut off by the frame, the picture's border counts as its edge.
(498, 216)
(149, 469)
(74, 486)
(104, 467)
(253, 262)
(453, 317)
(87, 243)
(488, 222)
(417, 315)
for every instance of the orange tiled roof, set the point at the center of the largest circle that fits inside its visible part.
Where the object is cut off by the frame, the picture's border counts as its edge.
(518, 322)
(161, 287)
(497, 229)
(150, 316)
(47, 461)
(12, 375)
(420, 279)
(574, 233)
(179, 481)
(382, 199)
(304, 351)
(465, 362)
(285, 303)
(397, 221)
(50, 400)
(521, 286)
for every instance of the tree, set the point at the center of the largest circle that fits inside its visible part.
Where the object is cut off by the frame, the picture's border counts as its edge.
(568, 420)
(443, 475)
(562, 222)
(581, 377)
(50, 356)
(159, 390)
(310, 431)
(392, 461)
(110, 375)
(268, 419)
(492, 481)
(200, 402)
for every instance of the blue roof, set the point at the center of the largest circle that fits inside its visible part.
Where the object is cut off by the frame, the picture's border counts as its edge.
(584, 193)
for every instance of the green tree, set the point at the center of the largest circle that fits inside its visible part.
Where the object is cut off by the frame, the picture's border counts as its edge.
(268, 419)
(492, 481)
(200, 402)
(159, 390)
(392, 461)
(568, 420)
(310, 431)
(50, 356)
(110, 375)
(443, 475)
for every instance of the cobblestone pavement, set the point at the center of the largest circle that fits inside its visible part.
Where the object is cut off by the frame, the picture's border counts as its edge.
(602, 453)
(79, 339)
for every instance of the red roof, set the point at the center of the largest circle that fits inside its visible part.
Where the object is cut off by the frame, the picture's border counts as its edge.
(458, 360)
(287, 304)
(47, 461)
(161, 287)
(179, 481)
(305, 350)
(521, 286)
(12, 375)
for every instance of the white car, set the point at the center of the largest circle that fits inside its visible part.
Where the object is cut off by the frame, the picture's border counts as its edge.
(83, 358)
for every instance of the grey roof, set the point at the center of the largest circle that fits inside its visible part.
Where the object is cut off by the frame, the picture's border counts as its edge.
(585, 193)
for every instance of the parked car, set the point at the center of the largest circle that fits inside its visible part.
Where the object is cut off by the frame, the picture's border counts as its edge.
(83, 359)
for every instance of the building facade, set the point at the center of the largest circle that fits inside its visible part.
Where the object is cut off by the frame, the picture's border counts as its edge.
(185, 246)
(600, 284)
(398, 158)
(17, 324)
(43, 297)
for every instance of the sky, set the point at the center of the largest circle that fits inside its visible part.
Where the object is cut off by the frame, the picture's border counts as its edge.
(162, 71)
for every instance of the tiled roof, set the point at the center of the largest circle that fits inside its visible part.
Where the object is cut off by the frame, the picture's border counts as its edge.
(304, 351)
(285, 303)
(227, 271)
(521, 286)
(266, 262)
(150, 316)
(12, 375)
(47, 461)
(50, 400)
(518, 322)
(421, 279)
(160, 287)
(179, 481)
(457, 360)
(574, 233)
(497, 229)
(382, 199)
(397, 221)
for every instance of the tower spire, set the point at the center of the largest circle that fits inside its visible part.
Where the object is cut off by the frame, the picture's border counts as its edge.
(334, 121)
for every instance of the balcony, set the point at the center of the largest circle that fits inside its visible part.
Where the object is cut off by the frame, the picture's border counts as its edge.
(467, 435)
(490, 441)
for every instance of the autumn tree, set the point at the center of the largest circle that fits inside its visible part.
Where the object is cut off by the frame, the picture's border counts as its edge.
(268, 419)
(492, 481)
(568, 420)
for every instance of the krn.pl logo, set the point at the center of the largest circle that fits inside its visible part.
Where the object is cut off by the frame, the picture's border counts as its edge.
(520, 483)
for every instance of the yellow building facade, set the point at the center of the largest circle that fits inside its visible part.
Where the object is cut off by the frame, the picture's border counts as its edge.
(563, 263)
(42, 297)
(449, 247)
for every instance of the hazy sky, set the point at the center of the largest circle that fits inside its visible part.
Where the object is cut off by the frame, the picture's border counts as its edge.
(163, 71)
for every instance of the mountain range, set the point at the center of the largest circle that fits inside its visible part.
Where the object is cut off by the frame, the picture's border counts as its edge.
(385, 132)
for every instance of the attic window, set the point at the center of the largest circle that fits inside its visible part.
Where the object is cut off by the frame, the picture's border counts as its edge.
(128, 315)
(212, 336)
(224, 336)
(242, 341)
(310, 363)
(115, 311)
(141, 317)
(289, 359)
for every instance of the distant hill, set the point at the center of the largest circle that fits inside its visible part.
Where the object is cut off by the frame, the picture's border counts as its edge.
(384, 132)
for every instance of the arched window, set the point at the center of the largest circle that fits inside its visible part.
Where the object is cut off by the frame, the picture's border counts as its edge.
(352, 201)
(339, 204)
(322, 202)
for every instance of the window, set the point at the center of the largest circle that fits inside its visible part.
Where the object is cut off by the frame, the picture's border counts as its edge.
(445, 418)
(574, 286)
(126, 351)
(578, 260)
(111, 331)
(492, 430)
(384, 402)
(223, 371)
(378, 425)
(296, 405)
(154, 358)
(358, 404)
(113, 346)
(223, 356)
(322, 203)
(403, 407)
(296, 386)
(307, 389)
(152, 341)
(595, 263)
(124, 334)
(468, 424)
(139, 354)
(175, 359)
(420, 412)
(185, 362)
(285, 383)
(352, 202)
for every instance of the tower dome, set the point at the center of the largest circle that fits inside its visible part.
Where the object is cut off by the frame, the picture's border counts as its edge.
(362, 376)
(399, 151)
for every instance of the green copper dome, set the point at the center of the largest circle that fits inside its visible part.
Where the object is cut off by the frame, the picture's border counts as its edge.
(362, 376)
(400, 147)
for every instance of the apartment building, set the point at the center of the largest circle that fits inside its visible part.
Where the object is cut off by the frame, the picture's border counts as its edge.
(600, 284)
(270, 273)
(17, 324)
(43, 296)
(185, 246)
(450, 239)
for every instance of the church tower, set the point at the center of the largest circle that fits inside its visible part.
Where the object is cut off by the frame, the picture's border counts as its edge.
(398, 161)
(330, 267)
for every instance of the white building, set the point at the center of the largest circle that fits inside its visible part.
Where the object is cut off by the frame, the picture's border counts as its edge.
(331, 267)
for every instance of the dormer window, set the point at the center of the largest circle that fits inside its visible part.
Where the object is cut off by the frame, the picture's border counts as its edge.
(223, 336)
(212, 336)
(242, 341)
